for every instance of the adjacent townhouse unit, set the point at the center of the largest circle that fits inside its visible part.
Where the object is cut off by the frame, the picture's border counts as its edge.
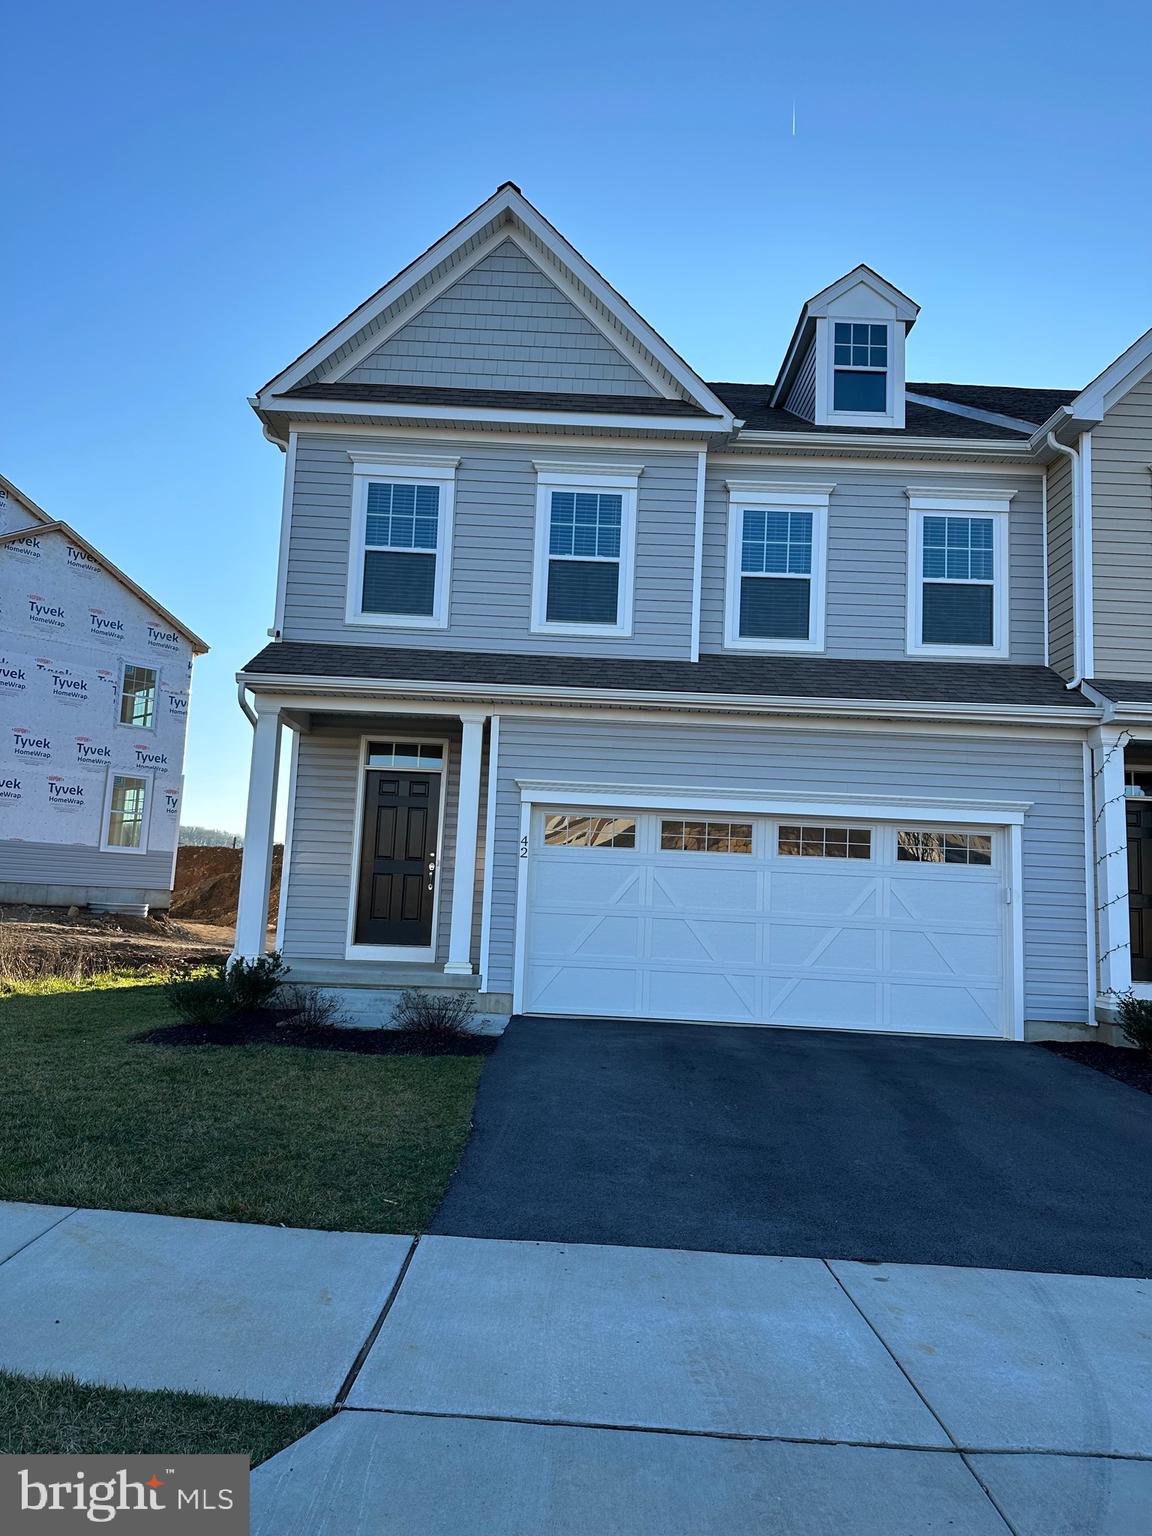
(825, 701)
(94, 686)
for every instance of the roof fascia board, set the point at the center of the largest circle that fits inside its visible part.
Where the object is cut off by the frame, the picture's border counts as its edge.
(1115, 381)
(55, 526)
(901, 446)
(326, 687)
(25, 501)
(1065, 422)
(691, 424)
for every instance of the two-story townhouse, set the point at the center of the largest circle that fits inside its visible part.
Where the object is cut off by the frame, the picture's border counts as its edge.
(614, 692)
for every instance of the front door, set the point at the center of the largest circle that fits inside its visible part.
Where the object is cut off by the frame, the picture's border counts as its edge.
(1140, 885)
(397, 891)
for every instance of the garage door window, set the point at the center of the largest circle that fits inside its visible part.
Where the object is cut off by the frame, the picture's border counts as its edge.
(572, 830)
(706, 836)
(943, 847)
(825, 842)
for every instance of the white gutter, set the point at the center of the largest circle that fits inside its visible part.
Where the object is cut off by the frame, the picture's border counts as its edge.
(379, 687)
(698, 555)
(1081, 564)
(241, 690)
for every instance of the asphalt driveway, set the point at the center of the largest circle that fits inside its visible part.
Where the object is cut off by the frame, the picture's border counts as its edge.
(820, 1144)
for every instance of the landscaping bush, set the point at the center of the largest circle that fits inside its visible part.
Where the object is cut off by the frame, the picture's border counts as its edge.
(436, 1015)
(311, 1008)
(199, 994)
(1134, 1015)
(208, 994)
(254, 983)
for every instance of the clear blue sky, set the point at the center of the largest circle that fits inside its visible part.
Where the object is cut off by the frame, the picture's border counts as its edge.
(193, 194)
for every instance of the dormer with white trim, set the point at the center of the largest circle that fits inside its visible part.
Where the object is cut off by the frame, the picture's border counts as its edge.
(845, 362)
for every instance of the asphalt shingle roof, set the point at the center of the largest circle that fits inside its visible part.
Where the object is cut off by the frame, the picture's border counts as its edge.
(1122, 690)
(927, 682)
(510, 399)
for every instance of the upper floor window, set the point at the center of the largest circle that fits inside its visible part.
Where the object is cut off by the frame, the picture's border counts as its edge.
(958, 593)
(585, 538)
(776, 545)
(138, 697)
(859, 367)
(401, 538)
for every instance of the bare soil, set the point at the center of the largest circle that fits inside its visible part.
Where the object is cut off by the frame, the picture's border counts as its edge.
(274, 1026)
(208, 884)
(44, 941)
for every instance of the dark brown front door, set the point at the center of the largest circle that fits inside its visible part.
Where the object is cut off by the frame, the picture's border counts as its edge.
(398, 858)
(1140, 886)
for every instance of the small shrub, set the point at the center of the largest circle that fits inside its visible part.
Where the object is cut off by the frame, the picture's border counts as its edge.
(310, 1008)
(437, 1015)
(254, 983)
(1134, 1015)
(198, 994)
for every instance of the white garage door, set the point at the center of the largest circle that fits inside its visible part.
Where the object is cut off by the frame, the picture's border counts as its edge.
(744, 919)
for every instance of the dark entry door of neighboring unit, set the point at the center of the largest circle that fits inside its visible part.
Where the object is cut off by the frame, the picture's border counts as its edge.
(1140, 886)
(397, 891)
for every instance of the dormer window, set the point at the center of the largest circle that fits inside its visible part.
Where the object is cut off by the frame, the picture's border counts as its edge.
(860, 367)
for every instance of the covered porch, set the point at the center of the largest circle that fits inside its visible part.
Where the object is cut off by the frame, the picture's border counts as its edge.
(1122, 784)
(386, 831)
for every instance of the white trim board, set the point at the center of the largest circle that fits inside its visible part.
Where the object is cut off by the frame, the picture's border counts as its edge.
(404, 954)
(960, 502)
(619, 478)
(751, 495)
(370, 468)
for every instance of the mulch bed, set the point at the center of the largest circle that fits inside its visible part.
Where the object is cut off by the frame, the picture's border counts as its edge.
(1118, 1061)
(274, 1026)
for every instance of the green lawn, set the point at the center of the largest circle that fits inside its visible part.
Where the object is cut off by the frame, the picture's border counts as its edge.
(45, 1415)
(247, 1133)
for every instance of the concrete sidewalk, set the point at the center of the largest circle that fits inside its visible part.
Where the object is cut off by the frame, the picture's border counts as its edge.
(508, 1388)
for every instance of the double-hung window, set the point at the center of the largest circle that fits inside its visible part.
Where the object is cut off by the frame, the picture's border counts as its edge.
(401, 541)
(859, 367)
(776, 557)
(138, 697)
(125, 827)
(958, 586)
(585, 545)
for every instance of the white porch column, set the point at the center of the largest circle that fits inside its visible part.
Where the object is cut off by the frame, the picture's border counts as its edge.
(256, 869)
(467, 833)
(1113, 930)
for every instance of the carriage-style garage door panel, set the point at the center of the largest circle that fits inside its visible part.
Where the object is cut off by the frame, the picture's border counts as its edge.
(767, 921)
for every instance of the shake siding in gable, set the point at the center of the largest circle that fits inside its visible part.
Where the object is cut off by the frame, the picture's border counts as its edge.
(503, 325)
(493, 548)
(778, 759)
(1061, 574)
(1122, 537)
(868, 555)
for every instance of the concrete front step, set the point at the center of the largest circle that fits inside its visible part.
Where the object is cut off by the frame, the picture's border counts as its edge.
(366, 973)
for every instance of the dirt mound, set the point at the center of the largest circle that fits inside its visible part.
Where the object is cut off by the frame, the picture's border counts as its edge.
(208, 884)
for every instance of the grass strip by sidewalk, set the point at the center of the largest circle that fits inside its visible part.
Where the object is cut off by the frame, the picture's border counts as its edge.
(57, 1415)
(324, 1139)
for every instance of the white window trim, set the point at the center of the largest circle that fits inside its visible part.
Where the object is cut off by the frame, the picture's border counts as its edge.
(403, 954)
(826, 413)
(149, 781)
(146, 666)
(622, 478)
(746, 495)
(414, 469)
(964, 502)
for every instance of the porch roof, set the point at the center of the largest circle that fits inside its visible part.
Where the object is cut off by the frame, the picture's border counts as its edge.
(766, 677)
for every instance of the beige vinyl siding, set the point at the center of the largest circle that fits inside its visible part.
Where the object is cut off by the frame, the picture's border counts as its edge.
(1061, 568)
(490, 605)
(782, 758)
(504, 324)
(1122, 537)
(868, 554)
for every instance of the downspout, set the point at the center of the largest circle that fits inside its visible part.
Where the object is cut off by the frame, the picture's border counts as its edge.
(1080, 613)
(241, 692)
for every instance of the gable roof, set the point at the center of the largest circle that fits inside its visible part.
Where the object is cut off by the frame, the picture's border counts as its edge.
(818, 305)
(753, 404)
(507, 214)
(199, 648)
